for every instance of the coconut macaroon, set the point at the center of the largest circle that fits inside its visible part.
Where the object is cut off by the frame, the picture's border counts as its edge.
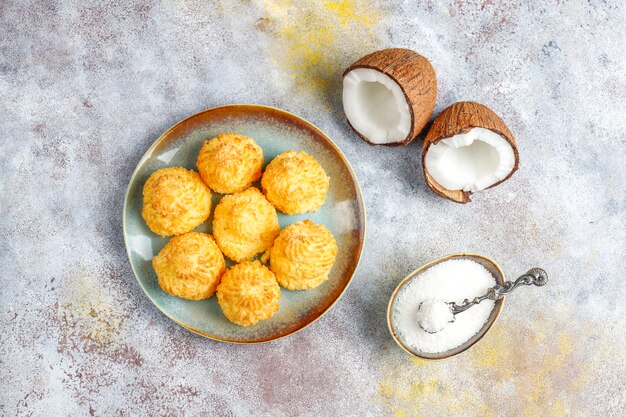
(468, 149)
(294, 182)
(245, 224)
(175, 201)
(303, 254)
(190, 266)
(248, 293)
(230, 163)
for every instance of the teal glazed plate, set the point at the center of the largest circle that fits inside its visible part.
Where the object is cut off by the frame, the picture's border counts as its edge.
(276, 131)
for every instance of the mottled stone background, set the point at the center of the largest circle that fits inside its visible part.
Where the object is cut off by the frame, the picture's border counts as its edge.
(86, 87)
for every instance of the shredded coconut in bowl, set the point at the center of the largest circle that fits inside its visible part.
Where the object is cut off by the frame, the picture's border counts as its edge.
(449, 281)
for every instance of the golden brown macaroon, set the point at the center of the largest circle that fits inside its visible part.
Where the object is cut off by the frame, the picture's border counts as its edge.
(303, 255)
(245, 224)
(294, 182)
(175, 201)
(248, 293)
(230, 163)
(190, 266)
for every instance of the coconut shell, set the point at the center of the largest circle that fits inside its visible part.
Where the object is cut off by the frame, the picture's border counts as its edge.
(415, 76)
(460, 118)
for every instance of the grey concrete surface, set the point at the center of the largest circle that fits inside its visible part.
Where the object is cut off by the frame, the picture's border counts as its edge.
(87, 86)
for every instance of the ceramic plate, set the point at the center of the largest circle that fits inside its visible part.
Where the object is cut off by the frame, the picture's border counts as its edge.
(276, 131)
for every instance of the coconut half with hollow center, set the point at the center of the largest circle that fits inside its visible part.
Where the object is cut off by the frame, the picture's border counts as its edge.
(467, 149)
(389, 95)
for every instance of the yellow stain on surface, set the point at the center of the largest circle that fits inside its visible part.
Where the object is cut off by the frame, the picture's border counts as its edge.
(419, 362)
(409, 392)
(493, 355)
(311, 42)
(347, 12)
(90, 320)
(102, 326)
(542, 382)
(536, 369)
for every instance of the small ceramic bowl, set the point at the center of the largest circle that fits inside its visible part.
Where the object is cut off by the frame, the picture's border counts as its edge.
(490, 265)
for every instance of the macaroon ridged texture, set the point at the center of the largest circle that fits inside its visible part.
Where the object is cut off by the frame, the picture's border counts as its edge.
(245, 224)
(416, 77)
(303, 254)
(459, 118)
(294, 182)
(230, 163)
(175, 201)
(190, 266)
(248, 293)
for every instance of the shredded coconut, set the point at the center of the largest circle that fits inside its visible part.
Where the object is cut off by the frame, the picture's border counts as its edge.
(434, 315)
(449, 281)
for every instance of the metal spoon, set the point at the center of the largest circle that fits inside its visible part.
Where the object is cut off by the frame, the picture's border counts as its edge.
(534, 276)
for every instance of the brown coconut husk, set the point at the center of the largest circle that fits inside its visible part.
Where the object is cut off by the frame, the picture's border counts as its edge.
(415, 76)
(460, 118)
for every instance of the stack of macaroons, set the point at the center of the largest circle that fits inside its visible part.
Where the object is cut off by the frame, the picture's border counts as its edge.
(245, 224)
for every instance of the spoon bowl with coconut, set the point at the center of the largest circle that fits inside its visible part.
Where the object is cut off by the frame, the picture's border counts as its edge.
(434, 315)
(430, 314)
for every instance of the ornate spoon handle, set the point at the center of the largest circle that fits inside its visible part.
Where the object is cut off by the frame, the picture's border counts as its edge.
(534, 276)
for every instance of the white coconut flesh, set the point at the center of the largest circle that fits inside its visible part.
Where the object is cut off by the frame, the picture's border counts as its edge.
(470, 161)
(376, 106)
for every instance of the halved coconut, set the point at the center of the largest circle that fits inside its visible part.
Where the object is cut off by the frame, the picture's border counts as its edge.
(389, 95)
(467, 149)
